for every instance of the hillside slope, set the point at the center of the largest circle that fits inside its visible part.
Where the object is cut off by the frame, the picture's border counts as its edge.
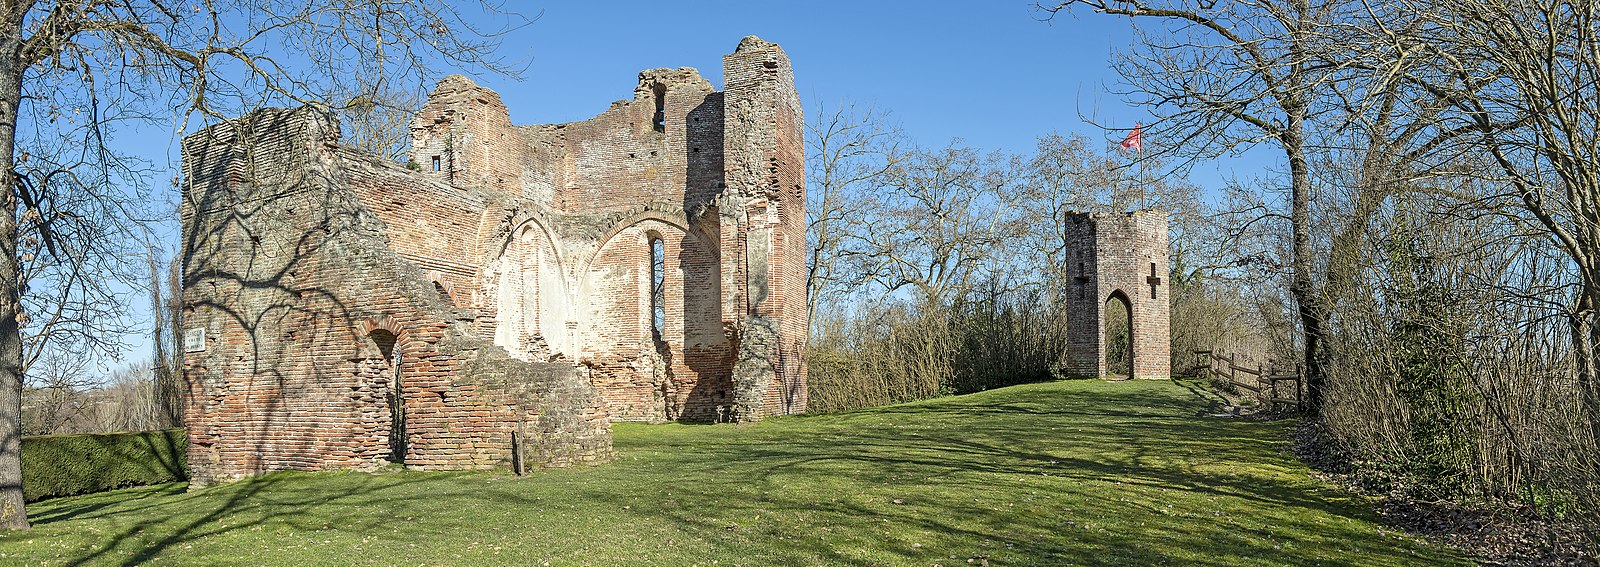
(1080, 472)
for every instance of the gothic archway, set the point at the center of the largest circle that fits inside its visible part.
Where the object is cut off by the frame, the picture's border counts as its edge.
(1117, 335)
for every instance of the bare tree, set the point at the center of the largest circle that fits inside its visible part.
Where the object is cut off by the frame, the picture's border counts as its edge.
(55, 396)
(105, 62)
(942, 217)
(166, 312)
(850, 152)
(378, 118)
(1521, 77)
(1231, 73)
(78, 243)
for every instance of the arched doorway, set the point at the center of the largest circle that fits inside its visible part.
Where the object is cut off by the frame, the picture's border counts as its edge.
(1117, 334)
(391, 364)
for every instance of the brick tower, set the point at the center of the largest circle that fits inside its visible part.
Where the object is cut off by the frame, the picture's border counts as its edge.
(1118, 257)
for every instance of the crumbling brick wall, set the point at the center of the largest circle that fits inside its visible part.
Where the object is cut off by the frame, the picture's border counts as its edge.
(1118, 257)
(718, 177)
(310, 316)
(357, 310)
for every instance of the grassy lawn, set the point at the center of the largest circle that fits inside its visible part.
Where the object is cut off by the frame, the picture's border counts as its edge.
(1082, 472)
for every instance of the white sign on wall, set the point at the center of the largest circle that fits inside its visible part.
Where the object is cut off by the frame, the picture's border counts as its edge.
(194, 340)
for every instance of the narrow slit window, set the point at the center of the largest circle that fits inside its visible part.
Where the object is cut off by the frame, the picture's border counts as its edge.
(660, 119)
(1083, 281)
(658, 292)
(436, 163)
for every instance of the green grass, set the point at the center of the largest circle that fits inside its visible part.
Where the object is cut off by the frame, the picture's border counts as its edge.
(1082, 472)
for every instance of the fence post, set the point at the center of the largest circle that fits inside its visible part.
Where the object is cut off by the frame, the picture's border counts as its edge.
(516, 451)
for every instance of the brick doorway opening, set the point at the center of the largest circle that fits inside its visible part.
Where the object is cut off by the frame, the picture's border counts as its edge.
(1118, 337)
(395, 398)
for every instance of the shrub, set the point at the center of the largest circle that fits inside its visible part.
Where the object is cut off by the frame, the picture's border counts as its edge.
(63, 465)
(880, 353)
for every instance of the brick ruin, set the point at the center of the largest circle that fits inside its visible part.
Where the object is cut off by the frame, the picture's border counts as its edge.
(512, 285)
(1118, 257)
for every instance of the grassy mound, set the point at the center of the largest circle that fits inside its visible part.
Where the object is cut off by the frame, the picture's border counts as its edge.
(1080, 472)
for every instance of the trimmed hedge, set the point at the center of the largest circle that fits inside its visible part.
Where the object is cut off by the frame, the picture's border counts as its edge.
(64, 465)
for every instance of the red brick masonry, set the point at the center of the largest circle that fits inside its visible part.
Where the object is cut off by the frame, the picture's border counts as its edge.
(357, 311)
(1119, 257)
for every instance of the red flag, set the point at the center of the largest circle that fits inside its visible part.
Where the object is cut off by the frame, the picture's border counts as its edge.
(1135, 139)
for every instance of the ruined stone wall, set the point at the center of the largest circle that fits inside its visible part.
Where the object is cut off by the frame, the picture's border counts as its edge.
(657, 147)
(430, 224)
(306, 307)
(1122, 256)
(654, 166)
(464, 137)
(566, 265)
(766, 167)
(501, 282)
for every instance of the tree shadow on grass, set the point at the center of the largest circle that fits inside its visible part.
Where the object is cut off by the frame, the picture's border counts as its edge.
(169, 512)
(1028, 476)
(1126, 446)
(62, 510)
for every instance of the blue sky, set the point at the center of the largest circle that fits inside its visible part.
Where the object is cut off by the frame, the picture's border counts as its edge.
(989, 73)
(992, 75)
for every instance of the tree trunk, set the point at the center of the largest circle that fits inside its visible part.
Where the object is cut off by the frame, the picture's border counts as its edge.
(12, 513)
(1302, 286)
(1584, 338)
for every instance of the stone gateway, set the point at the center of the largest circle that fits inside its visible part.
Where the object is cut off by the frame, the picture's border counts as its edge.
(511, 283)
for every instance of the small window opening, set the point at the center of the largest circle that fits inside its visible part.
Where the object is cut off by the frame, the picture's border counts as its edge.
(660, 119)
(658, 292)
(1083, 282)
(436, 163)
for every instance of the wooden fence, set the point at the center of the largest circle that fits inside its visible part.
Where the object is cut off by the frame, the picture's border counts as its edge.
(1260, 379)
